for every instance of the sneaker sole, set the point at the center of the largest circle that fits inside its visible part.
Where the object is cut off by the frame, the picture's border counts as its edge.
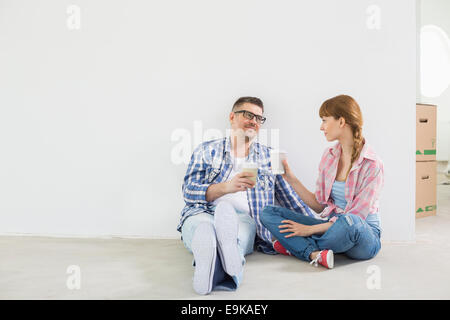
(227, 228)
(204, 248)
(330, 259)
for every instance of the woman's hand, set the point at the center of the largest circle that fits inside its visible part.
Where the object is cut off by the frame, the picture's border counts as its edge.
(288, 174)
(297, 229)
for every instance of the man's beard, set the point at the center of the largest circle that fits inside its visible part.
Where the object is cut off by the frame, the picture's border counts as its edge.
(250, 137)
(245, 136)
(250, 134)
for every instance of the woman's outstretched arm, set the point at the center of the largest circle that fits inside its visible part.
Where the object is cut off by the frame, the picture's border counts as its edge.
(307, 196)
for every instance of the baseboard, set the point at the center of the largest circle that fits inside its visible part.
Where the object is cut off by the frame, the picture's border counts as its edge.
(398, 242)
(442, 167)
(132, 237)
(99, 237)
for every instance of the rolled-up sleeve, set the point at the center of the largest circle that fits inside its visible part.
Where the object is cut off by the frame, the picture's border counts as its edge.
(195, 181)
(288, 198)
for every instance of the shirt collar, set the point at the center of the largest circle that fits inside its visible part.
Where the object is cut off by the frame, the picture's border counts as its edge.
(335, 150)
(366, 152)
(253, 146)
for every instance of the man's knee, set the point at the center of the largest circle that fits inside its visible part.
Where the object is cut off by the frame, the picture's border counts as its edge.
(190, 225)
(247, 229)
(246, 221)
(224, 205)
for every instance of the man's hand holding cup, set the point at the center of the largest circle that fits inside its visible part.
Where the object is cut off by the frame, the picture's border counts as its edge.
(241, 182)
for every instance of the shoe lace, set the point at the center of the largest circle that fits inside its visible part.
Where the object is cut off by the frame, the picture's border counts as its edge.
(317, 260)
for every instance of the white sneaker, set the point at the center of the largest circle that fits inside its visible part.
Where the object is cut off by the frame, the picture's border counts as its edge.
(226, 223)
(204, 248)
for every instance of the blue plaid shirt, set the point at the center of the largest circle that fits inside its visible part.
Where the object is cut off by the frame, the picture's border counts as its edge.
(211, 163)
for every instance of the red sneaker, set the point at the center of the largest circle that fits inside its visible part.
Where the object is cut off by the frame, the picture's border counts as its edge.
(325, 258)
(278, 247)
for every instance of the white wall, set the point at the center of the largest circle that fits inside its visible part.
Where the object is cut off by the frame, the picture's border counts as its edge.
(437, 12)
(87, 115)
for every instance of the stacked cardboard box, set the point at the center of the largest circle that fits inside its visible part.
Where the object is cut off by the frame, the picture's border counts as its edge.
(426, 168)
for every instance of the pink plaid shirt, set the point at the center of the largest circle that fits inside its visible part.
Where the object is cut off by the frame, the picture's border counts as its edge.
(362, 187)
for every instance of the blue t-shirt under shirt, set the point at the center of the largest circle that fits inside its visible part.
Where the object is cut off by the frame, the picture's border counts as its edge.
(338, 196)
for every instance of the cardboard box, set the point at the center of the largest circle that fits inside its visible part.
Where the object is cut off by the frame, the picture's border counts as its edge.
(425, 132)
(426, 189)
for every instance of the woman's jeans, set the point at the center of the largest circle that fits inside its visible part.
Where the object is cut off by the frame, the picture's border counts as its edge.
(246, 239)
(349, 234)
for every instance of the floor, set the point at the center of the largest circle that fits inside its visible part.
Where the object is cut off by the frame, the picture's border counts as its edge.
(38, 268)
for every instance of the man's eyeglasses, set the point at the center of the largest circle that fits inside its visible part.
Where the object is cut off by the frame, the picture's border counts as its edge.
(250, 115)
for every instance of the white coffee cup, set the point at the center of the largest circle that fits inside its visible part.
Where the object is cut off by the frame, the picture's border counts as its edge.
(252, 168)
(276, 158)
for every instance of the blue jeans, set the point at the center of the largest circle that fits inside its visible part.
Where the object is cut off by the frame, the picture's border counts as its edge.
(349, 234)
(246, 240)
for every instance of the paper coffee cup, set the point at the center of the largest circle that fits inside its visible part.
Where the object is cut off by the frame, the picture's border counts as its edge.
(276, 158)
(252, 168)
